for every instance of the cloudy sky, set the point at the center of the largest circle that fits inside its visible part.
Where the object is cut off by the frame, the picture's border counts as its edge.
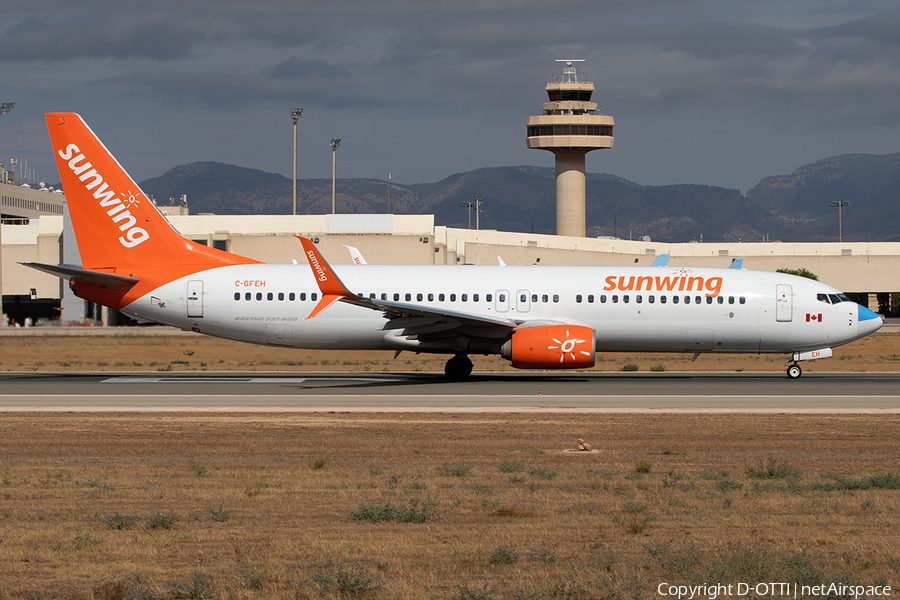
(702, 91)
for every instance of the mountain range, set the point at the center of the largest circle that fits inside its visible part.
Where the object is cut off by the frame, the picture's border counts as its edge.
(793, 207)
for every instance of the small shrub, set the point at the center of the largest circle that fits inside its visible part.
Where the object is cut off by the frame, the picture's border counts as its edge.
(85, 540)
(728, 485)
(456, 469)
(377, 513)
(196, 589)
(254, 486)
(199, 471)
(464, 593)
(219, 515)
(545, 474)
(117, 521)
(630, 367)
(544, 555)
(638, 523)
(351, 581)
(658, 368)
(503, 555)
(318, 463)
(252, 580)
(162, 521)
(511, 466)
(773, 470)
(643, 466)
(634, 507)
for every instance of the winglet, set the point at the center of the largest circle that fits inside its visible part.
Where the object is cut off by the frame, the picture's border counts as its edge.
(737, 263)
(356, 255)
(332, 288)
(661, 261)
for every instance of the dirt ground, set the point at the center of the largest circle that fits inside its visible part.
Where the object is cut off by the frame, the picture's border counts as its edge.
(137, 350)
(460, 506)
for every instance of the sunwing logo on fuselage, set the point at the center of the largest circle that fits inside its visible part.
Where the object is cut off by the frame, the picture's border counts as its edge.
(680, 281)
(118, 208)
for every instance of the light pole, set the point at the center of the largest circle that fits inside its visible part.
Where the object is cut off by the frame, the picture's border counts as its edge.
(477, 216)
(468, 207)
(389, 193)
(840, 205)
(4, 110)
(335, 144)
(295, 115)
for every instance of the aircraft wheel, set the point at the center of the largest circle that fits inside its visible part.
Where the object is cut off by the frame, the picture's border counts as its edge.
(458, 368)
(794, 371)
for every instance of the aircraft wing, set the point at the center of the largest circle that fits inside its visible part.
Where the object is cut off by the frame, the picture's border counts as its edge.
(80, 275)
(413, 319)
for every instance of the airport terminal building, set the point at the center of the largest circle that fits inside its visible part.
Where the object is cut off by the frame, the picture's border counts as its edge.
(33, 230)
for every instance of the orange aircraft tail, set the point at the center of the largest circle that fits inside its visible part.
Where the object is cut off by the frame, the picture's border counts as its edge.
(117, 228)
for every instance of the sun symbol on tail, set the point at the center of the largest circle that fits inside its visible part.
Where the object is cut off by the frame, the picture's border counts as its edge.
(132, 200)
(567, 347)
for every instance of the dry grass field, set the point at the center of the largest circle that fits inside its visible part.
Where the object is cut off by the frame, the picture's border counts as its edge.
(141, 350)
(462, 506)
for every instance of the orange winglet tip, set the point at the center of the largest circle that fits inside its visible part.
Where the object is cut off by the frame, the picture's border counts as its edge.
(324, 303)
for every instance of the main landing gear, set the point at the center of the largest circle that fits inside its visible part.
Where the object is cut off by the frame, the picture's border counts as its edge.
(794, 371)
(458, 368)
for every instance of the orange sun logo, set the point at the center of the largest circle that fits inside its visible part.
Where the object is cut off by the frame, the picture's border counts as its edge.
(567, 347)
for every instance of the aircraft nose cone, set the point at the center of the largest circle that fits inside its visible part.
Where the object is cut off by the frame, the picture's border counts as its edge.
(867, 321)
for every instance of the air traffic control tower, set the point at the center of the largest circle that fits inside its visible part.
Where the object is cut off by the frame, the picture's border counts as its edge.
(570, 129)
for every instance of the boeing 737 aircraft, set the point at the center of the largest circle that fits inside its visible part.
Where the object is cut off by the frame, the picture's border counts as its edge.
(134, 261)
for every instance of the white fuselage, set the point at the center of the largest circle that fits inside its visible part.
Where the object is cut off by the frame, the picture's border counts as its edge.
(629, 308)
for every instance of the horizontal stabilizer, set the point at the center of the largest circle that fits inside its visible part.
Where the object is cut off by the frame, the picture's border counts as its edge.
(79, 275)
(737, 263)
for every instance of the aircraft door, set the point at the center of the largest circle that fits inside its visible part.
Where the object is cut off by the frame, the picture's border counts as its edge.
(195, 299)
(523, 301)
(784, 304)
(502, 300)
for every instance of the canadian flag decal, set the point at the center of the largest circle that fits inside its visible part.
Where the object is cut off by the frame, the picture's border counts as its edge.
(816, 318)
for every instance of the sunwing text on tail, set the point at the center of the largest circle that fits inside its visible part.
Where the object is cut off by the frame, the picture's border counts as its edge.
(536, 317)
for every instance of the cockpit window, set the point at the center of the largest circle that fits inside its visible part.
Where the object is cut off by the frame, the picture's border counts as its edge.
(844, 298)
(835, 299)
(823, 298)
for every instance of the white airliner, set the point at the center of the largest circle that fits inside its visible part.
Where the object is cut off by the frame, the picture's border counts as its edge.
(134, 261)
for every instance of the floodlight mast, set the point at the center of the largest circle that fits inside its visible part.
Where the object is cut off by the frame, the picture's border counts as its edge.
(335, 144)
(296, 113)
(840, 205)
(4, 110)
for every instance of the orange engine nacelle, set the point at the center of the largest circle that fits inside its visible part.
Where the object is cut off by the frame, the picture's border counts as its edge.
(551, 347)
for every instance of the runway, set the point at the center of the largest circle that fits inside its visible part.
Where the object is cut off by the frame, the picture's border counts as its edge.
(431, 392)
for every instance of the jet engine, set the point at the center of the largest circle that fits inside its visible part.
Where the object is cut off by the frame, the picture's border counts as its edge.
(550, 347)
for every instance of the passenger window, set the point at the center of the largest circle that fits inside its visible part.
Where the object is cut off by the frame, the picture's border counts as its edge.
(524, 298)
(372, 296)
(534, 298)
(743, 300)
(303, 296)
(384, 296)
(638, 298)
(615, 299)
(431, 297)
(662, 299)
(259, 296)
(556, 297)
(441, 297)
(452, 297)
(721, 299)
(577, 298)
(652, 299)
(292, 296)
(237, 295)
(464, 297)
(314, 296)
(697, 300)
(281, 296)
(247, 296)
(474, 297)
(545, 298)
(674, 299)
(396, 297)
(709, 299)
(359, 294)
(590, 298)
(270, 296)
(418, 297)
(408, 297)
(502, 297)
(489, 298)
(730, 299)
(602, 298)
(625, 298)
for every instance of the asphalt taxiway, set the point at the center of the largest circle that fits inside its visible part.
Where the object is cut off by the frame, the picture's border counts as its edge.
(418, 392)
